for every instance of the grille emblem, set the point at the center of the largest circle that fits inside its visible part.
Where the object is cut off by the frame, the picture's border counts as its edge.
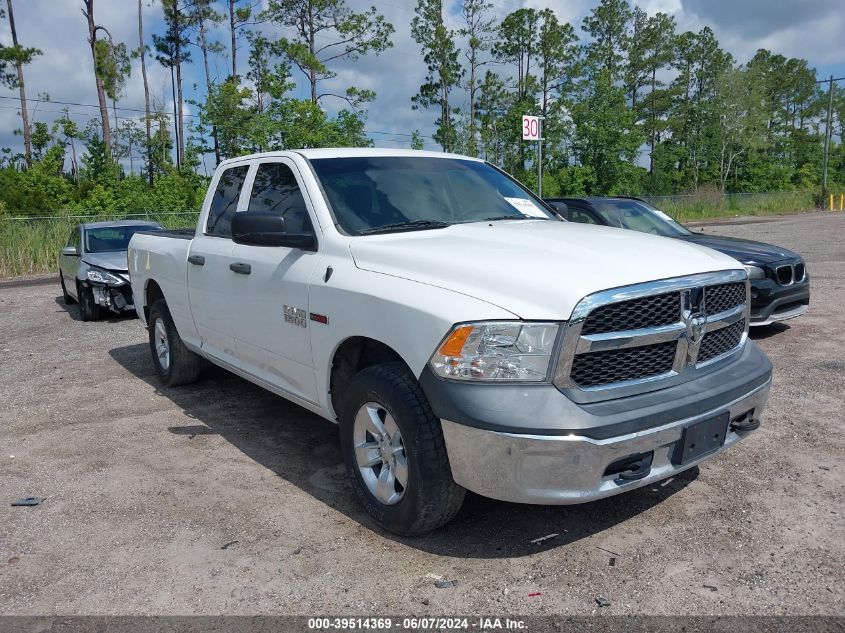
(695, 319)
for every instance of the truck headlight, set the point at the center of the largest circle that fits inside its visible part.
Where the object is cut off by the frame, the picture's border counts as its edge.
(496, 350)
(755, 272)
(104, 277)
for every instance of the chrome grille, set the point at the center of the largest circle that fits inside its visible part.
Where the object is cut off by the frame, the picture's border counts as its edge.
(619, 338)
(600, 368)
(718, 342)
(717, 299)
(634, 314)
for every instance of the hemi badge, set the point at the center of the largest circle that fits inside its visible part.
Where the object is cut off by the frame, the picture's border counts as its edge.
(320, 318)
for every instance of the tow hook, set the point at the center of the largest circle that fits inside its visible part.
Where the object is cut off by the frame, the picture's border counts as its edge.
(630, 468)
(745, 422)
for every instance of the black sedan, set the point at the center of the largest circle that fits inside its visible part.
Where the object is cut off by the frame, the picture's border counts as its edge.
(780, 285)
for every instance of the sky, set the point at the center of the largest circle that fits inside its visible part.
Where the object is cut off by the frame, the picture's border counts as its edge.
(809, 29)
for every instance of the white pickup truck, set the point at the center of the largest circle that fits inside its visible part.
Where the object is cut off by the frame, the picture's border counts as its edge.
(461, 334)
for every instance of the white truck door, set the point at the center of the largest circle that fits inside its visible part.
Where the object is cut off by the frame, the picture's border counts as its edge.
(271, 319)
(209, 278)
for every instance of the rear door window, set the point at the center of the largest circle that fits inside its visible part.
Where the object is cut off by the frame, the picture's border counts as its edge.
(276, 191)
(225, 201)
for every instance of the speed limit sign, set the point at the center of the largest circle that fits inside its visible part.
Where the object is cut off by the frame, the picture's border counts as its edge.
(530, 128)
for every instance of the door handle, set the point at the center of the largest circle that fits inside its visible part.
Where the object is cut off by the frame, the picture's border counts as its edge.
(240, 268)
(196, 260)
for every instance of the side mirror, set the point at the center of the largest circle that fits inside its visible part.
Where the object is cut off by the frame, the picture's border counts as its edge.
(560, 207)
(267, 229)
(70, 251)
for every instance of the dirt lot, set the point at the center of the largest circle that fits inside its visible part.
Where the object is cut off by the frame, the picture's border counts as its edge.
(222, 498)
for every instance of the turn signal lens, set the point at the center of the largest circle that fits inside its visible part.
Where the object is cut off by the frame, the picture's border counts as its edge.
(497, 350)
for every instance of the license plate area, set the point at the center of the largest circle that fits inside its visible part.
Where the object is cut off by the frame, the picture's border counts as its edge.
(701, 438)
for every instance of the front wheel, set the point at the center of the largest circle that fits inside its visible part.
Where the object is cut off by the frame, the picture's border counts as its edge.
(175, 364)
(395, 454)
(88, 308)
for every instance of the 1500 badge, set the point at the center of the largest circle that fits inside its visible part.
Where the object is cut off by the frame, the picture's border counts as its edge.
(296, 316)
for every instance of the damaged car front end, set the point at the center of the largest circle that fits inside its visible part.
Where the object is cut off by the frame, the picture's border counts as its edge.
(93, 270)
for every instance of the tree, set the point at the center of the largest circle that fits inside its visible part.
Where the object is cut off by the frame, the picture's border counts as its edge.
(351, 35)
(142, 53)
(114, 67)
(651, 49)
(172, 49)
(517, 44)
(607, 139)
(203, 15)
(417, 140)
(608, 25)
(444, 71)
(239, 16)
(478, 29)
(739, 127)
(19, 57)
(93, 29)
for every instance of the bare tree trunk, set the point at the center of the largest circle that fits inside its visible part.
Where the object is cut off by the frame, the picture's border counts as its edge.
(27, 132)
(175, 118)
(204, 46)
(180, 110)
(88, 12)
(147, 122)
(312, 75)
(234, 38)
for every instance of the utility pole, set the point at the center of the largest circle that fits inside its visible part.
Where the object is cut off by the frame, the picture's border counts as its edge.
(827, 131)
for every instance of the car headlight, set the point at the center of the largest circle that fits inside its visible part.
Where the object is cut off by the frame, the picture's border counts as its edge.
(754, 272)
(496, 350)
(104, 277)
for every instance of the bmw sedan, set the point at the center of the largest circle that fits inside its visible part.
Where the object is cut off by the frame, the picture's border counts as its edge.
(780, 285)
(93, 270)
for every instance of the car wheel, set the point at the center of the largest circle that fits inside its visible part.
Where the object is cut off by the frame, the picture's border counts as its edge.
(88, 308)
(67, 298)
(395, 454)
(175, 364)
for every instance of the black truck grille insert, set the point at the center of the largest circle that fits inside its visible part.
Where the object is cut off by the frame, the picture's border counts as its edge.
(603, 368)
(718, 342)
(723, 297)
(634, 314)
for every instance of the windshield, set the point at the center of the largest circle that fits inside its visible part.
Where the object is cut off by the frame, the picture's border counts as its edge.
(638, 216)
(110, 239)
(383, 193)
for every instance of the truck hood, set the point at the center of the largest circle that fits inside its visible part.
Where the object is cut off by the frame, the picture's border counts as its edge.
(110, 261)
(534, 269)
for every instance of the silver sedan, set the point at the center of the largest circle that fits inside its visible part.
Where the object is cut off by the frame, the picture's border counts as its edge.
(93, 270)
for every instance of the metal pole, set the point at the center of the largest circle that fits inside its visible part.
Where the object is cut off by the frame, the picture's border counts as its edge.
(827, 135)
(540, 157)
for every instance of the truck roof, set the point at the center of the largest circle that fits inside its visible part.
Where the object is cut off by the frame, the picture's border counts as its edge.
(109, 223)
(350, 152)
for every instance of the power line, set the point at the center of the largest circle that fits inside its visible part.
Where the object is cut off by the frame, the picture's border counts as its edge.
(167, 114)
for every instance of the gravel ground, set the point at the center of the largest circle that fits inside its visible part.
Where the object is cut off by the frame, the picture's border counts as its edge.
(222, 498)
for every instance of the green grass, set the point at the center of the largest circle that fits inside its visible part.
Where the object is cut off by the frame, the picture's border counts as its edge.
(29, 247)
(709, 205)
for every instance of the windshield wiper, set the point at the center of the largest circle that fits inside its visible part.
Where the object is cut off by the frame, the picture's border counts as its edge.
(511, 217)
(409, 225)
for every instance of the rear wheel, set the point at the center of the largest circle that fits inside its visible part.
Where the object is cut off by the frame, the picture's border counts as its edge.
(394, 452)
(88, 308)
(65, 295)
(175, 364)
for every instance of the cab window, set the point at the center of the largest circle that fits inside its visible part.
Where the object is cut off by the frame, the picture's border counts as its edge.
(225, 201)
(276, 191)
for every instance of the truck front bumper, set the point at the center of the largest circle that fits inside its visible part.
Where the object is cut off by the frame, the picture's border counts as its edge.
(580, 454)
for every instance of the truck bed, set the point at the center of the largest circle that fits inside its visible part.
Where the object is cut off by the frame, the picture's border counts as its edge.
(178, 234)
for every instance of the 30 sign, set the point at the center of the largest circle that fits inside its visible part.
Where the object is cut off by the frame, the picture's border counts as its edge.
(530, 128)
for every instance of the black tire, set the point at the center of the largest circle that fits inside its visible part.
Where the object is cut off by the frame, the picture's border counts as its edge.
(431, 498)
(67, 298)
(88, 308)
(183, 365)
